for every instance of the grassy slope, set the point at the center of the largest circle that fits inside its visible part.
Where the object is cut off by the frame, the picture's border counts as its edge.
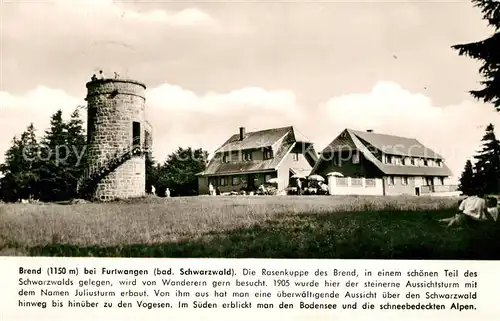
(279, 227)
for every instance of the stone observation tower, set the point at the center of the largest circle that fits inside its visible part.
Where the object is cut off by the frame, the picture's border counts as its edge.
(118, 140)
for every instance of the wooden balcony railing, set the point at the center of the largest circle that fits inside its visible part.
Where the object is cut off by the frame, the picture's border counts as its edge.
(425, 189)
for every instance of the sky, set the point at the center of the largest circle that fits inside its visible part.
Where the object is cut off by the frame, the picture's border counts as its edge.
(211, 67)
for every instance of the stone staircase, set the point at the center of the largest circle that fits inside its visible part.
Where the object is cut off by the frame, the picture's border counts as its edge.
(95, 173)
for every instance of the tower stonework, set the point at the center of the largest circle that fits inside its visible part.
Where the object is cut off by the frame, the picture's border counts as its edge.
(116, 121)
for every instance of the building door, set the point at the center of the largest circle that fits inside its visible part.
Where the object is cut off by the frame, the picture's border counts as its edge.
(417, 191)
(251, 182)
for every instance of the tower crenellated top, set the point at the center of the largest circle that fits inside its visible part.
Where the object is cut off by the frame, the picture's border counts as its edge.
(113, 86)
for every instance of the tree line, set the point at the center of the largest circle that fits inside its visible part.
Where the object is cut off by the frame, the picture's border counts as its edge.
(47, 168)
(177, 172)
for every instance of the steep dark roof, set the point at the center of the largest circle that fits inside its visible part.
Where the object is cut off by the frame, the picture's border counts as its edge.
(341, 142)
(253, 140)
(256, 140)
(396, 145)
(216, 166)
(402, 146)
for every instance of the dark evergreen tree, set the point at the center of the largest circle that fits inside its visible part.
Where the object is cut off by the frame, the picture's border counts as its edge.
(30, 170)
(11, 169)
(20, 169)
(487, 51)
(487, 167)
(467, 183)
(77, 160)
(54, 155)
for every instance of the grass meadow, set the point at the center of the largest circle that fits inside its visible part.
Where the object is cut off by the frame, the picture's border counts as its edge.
(247, 227)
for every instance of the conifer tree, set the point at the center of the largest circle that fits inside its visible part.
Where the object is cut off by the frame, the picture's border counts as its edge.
(467, 182)
(55, 153)
(487, 51)
(487, 167)
(20, 169)
(76, 142)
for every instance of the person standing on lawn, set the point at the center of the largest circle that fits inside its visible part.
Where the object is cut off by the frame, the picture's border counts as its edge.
(324, 188)
(299, 187)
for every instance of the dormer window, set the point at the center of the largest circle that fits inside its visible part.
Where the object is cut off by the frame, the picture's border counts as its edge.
(388, 159)
(268, 153)
(355, 158)
(247, 156)
(412, 161)
(225, 158)
(426, 163)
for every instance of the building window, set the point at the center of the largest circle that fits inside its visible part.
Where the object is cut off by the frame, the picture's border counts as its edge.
(268, 177)
(388, 159)
(247, 156)
(136, 133)
(370, 182)
(412, 161)
(92, 111)
(296, 157)
(355, 158)
(356, 182)
(341, 181)
(268, 154)
(426, 163)
(441, 180)
(404, 180)
(235, 180)
(225, 158)
(390, 180)
(223, 181)
(397, 160)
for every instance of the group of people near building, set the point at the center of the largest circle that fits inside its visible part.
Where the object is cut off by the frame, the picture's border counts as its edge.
(153, 191)
(213, 191)
(474, 208)
(312, 188)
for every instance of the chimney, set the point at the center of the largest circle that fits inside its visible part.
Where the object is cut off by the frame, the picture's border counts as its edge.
(369, 130)
(242, 133)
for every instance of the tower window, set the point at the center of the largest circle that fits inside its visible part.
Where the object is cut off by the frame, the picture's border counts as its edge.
(136, 133)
